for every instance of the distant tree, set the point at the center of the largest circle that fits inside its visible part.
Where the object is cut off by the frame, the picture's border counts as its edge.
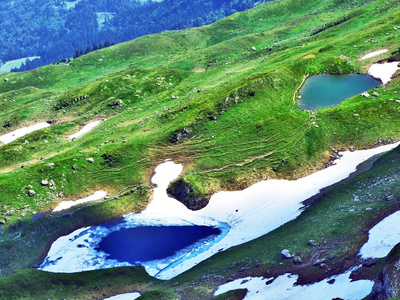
(78, 53)
(88, 49)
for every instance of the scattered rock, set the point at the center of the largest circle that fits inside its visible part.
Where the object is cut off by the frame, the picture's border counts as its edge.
(269, 281)
(44, 182)
(368, 209)
(115, 103)
(90, 160)
(365, 94)
(253, 48)
(218, 278)
(180, 135)
(318, 262)
(6, 79)
(331, 281)
(50, 164)
(297, 260)
(31, 193)
(375, 94)
(356, 115)
(389, 197)
(369, 262)
(311, 243)
(286, 254)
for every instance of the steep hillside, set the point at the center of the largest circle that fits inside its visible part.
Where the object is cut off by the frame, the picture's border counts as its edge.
(221, 100)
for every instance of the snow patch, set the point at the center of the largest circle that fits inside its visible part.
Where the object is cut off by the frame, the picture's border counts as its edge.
(16, 134)
(241, 215)
(70, 203)
(375, 53)
(127, 296)
(283, 287)
(85, 129)
(383, 71)
(382, 237)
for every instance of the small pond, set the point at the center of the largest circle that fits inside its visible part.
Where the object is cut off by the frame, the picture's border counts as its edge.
(322, 91)
(157, 244)
(147, 243)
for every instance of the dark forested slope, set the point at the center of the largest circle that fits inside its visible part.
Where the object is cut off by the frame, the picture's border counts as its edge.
(54, 29)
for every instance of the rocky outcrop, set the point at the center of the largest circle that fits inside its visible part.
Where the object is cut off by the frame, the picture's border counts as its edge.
(387, 283)
(179, 135)
(285, 253)
(31, 193)
(184, 193)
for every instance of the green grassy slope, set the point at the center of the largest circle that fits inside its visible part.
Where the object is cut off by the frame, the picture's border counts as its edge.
(236, 104)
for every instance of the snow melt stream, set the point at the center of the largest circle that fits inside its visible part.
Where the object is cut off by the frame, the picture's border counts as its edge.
(241, 215)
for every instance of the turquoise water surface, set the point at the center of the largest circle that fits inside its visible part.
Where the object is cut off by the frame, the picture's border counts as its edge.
(322, 91)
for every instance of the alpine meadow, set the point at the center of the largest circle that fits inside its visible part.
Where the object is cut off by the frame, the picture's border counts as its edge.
(221, 101)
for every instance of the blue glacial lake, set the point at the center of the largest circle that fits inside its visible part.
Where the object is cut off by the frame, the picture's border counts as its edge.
(322, 91)
(147, 243)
